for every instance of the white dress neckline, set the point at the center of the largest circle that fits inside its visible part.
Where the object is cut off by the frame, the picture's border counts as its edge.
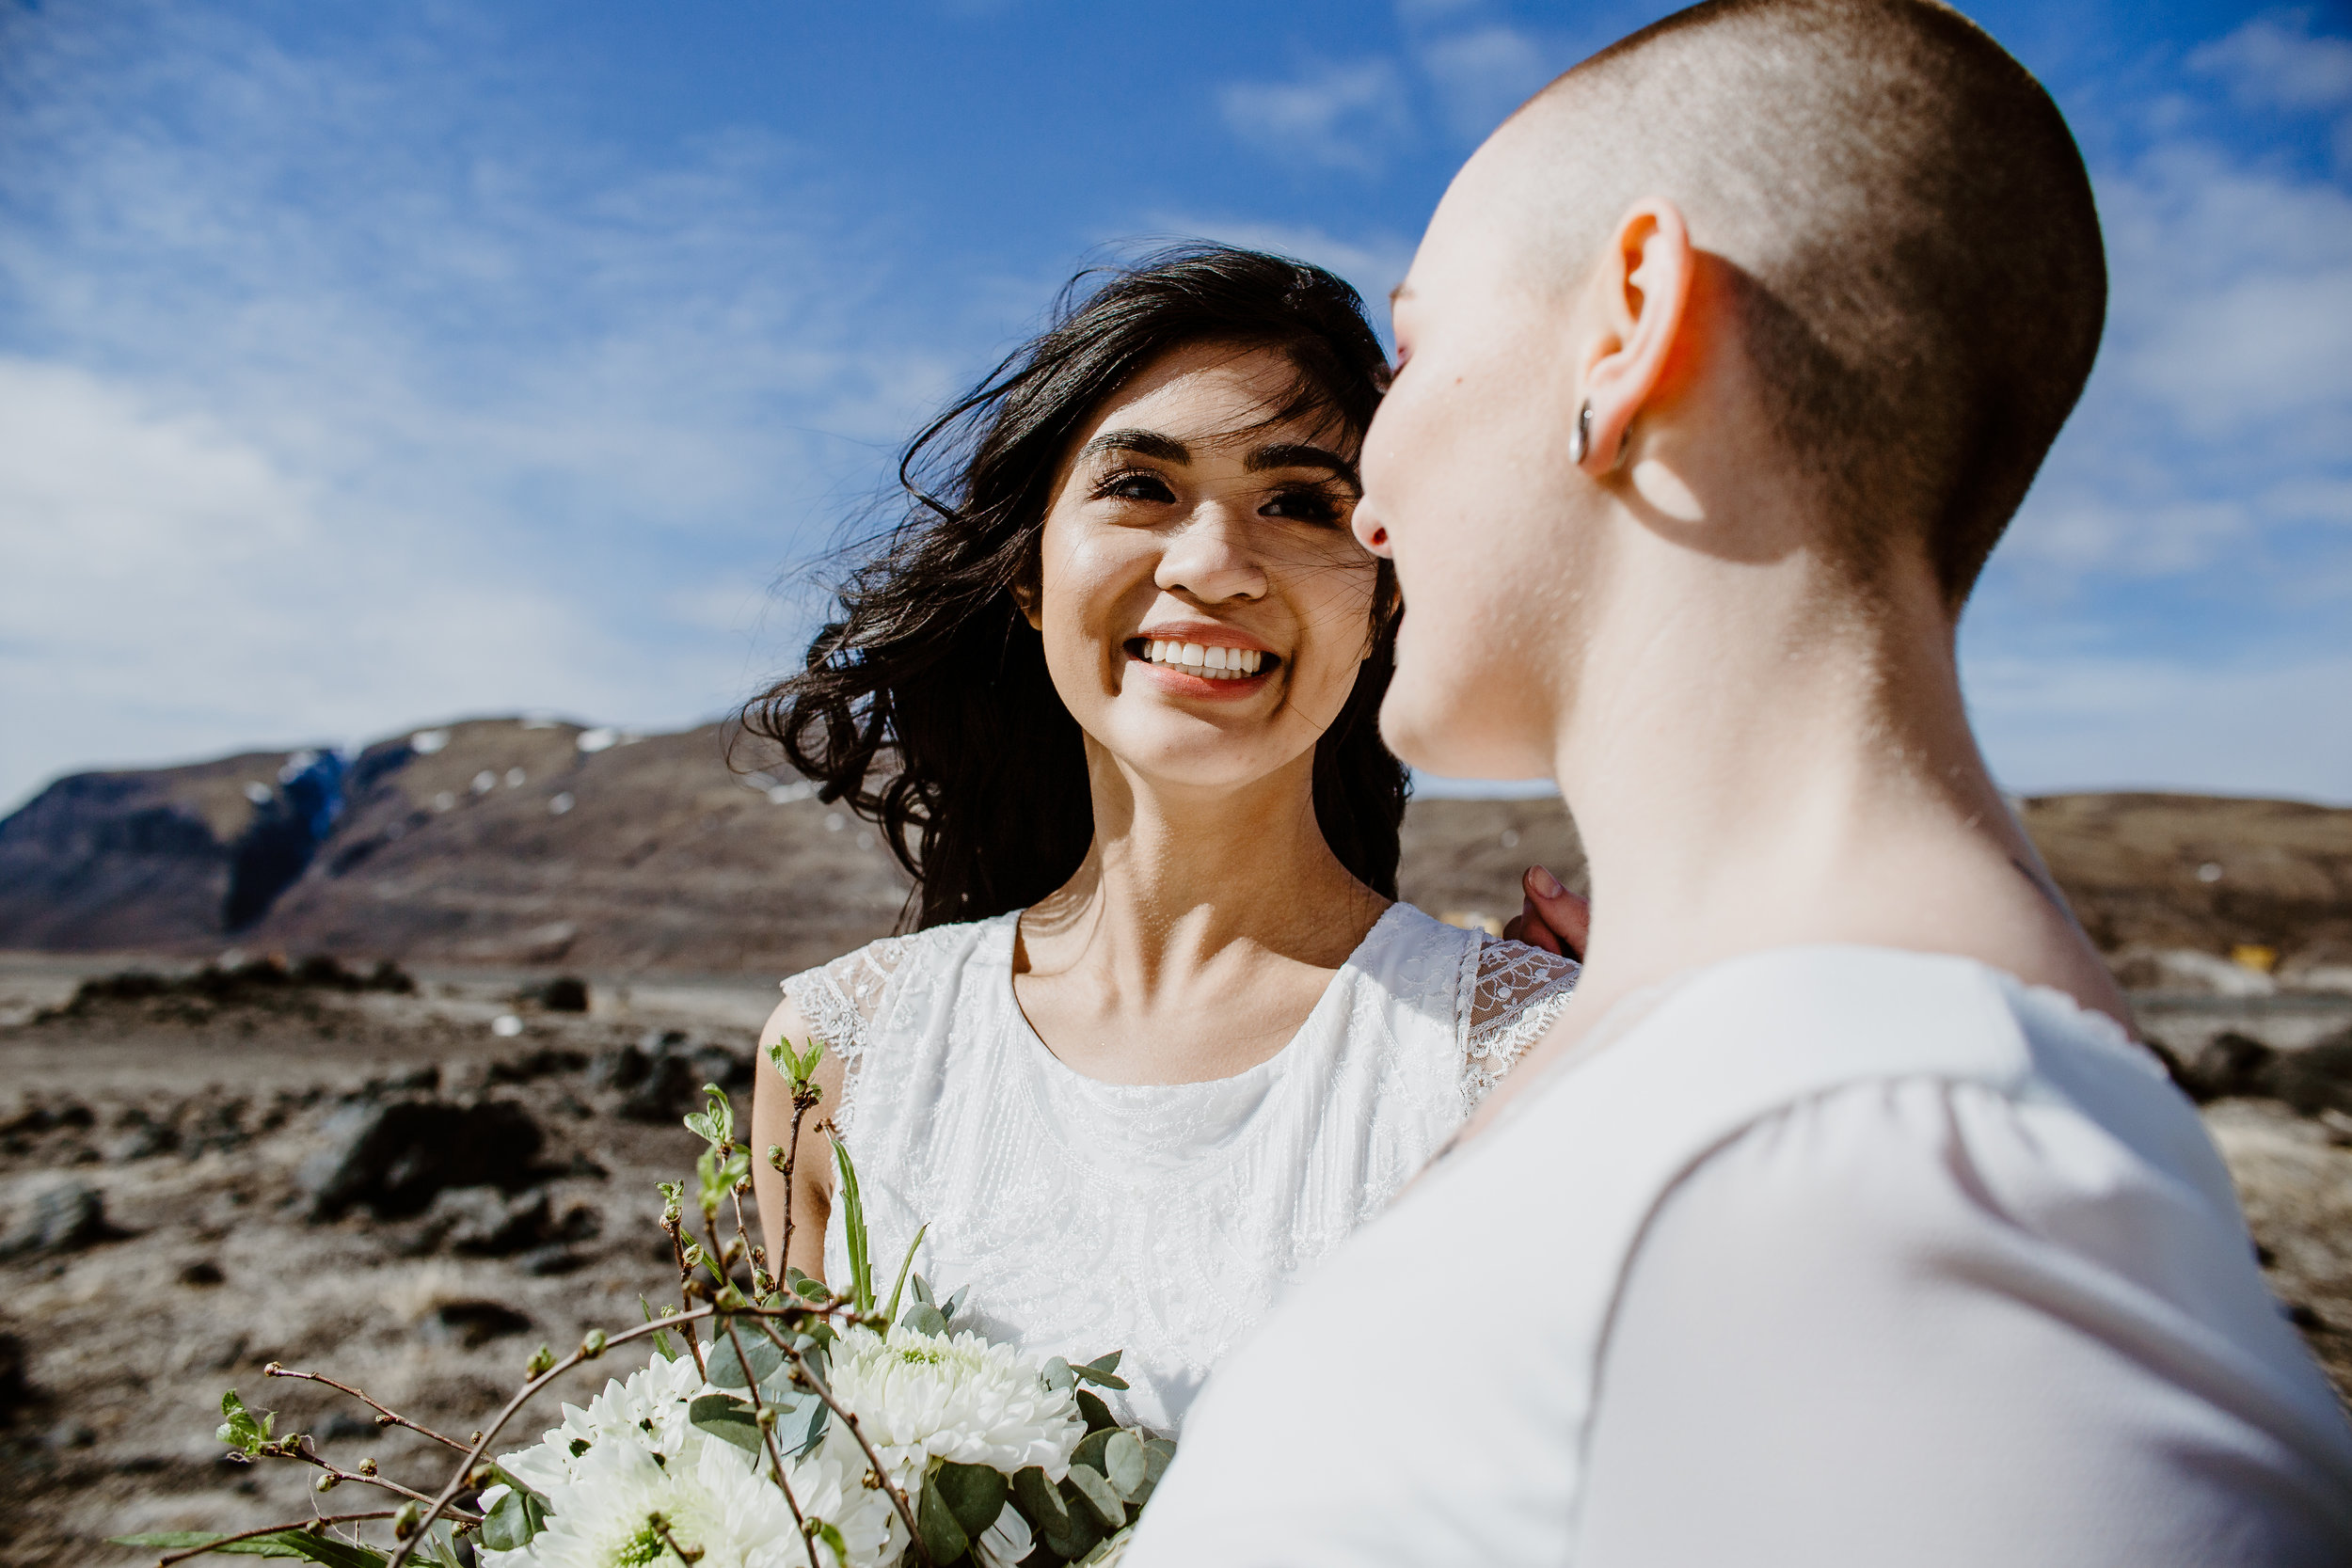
(1156, 1219)
(1331, 996)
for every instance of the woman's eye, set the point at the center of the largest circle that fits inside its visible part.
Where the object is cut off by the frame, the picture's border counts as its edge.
(1306, 506)
(1135, 486)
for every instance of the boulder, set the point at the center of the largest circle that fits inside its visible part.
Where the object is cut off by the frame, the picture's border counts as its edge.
(396, 1156)
(59, 1216)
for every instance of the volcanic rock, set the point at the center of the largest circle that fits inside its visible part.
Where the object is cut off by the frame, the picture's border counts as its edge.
(395, 1156)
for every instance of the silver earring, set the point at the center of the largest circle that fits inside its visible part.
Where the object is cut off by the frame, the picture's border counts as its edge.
(1581, 442)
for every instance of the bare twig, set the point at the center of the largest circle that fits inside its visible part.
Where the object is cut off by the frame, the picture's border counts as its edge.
(804, 1098)
(843, 1414)
(688, 1554)
(217, 1543)
(391, 1418)
(768, 1436)
(457, 1483)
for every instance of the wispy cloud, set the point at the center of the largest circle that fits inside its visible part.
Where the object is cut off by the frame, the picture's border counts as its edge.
(1345, 116)
(1480, 75)
(342, 397)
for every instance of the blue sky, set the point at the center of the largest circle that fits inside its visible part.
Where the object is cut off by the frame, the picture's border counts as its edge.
(367, 365)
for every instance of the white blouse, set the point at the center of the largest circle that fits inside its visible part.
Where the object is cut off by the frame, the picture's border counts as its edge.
(1837, 1255)
(1160, 1220)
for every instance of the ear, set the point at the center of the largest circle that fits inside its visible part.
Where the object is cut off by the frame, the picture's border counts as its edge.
(1025, 599)
(1641, 290)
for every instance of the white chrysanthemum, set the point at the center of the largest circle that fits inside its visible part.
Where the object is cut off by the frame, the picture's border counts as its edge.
(647, 1411)
(920, 1397)
(713, 1499)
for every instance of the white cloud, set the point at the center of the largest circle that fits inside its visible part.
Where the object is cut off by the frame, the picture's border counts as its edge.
(2275, 61)
(2102, 723)
(340, 395)
(1482, 75)
(1337, 116)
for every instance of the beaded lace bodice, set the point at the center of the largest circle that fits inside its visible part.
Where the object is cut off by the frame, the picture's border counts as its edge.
(1156, 1219)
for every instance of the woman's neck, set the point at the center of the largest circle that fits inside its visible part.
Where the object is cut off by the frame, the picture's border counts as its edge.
(1199, 932)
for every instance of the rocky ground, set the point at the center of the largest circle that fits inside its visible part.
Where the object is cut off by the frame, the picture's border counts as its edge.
(199, 1180)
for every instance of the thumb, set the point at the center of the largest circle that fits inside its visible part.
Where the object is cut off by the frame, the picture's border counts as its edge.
(1569, 915)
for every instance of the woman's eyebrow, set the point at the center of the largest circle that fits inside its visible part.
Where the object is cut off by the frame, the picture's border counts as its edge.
(1297, 454)
(1143, 443)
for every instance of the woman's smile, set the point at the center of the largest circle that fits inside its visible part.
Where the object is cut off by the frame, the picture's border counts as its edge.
(1202, 659)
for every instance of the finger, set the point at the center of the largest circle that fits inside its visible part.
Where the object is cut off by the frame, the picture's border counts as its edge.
(1567, 915)
(1528, 927)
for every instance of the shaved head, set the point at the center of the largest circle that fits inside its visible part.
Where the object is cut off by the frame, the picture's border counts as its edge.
(1916, 257)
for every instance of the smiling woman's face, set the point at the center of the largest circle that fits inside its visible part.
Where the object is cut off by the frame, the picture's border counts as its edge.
(1203, 602)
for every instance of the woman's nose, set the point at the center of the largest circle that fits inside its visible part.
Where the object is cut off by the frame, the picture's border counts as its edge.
(1211, 558)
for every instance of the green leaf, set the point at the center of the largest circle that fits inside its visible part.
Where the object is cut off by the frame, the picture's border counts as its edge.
(1089, 1449)
(519, 1515)
(923, 1320)
(243, 1429)
(329, 1550)
(802, 1424)
(1158, 1452)
(935, 1522)
(662, 1345)
(1124, 1465)
(1056, 1374)
(715, 1124)
(727, 1419)
(1101, 1371)
(1038, 1498)
(923, 1292)
(974, 1492)
(853, 1231)
(1070, 1531)
(285, 1542)
(890, 1312)
(1107, 1550)
(832, 1538)
(1098, 1414)
(1094, 1493)
(181, 1540)
(762, 1354)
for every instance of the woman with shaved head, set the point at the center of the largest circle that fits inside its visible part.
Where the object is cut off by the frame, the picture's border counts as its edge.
(1841, 1222)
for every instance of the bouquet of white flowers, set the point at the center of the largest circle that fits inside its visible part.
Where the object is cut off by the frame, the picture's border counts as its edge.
(778, 1423)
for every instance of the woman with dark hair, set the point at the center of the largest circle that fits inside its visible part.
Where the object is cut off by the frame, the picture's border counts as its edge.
(1160, 1036)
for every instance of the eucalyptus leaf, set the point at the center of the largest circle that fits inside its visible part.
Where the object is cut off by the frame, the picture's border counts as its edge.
(923, 1292)
(1098, 1414)
(1056, 1374)
(1158, 1452)
(519, 1515)
(1039, 1499)
(763, 1355)
(974, 1492)
(923, 1320)
(1072, 1532)
(1089, 1449)
(954, 1304)
(727, 1419)
(1102, 1371)
(1109, 1508)
(1124, 1465)
(944, 1538)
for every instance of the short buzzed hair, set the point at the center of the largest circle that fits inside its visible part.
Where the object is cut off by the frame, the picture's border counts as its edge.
(1920, 280)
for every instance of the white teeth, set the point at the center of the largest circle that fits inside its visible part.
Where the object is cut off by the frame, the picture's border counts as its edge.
(1210, 662)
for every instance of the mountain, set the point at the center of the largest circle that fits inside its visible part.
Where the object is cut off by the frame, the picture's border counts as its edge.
(507, 843)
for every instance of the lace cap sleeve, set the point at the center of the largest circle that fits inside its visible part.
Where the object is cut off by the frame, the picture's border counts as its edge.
(1518, 993)
(840, 1002)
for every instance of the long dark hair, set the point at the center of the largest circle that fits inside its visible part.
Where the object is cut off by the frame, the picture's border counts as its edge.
(927, 705)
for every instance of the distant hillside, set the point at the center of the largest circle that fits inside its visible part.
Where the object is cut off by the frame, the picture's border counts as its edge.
(505, 843)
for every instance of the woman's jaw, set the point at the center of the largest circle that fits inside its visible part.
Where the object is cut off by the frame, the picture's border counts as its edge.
(1202, 659)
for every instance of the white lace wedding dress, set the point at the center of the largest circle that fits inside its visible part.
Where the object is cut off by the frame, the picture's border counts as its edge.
(1158, 1219)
